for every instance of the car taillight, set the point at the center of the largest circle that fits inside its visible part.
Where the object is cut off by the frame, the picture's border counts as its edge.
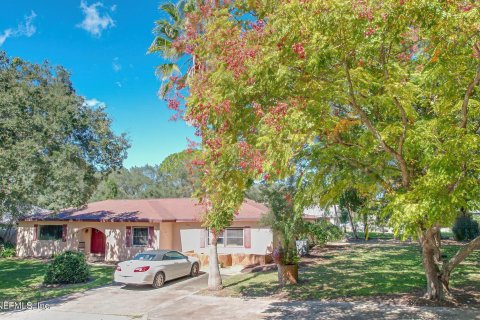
(141, 269)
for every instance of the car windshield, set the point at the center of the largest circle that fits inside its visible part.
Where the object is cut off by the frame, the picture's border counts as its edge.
(144, 256)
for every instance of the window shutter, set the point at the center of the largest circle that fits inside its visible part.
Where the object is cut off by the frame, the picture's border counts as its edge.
(151, 234)
(35, 231)
(202, 237)
(64, 233)
(128, 237)
(247, 237)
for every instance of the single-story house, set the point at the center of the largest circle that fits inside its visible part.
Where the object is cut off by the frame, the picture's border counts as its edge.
(115, 230)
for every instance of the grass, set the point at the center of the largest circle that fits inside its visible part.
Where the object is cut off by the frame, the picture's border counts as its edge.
(363, 270)
(21, 280)
(371, 235)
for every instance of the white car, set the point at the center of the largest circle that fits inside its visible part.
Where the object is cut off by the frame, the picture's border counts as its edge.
(155, 267)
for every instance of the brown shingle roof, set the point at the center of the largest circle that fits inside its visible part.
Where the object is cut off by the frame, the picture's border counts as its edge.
(147, 210)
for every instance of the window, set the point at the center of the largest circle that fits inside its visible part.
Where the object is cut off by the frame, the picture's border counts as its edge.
(140, 236)
(231, 237)
(219, 239)
(53, 232)
(144, 256)
(173, 255)
(234, 237)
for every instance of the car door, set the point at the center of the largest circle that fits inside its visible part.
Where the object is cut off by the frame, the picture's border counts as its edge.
(184, 264)
(181, 263)
(169, 266)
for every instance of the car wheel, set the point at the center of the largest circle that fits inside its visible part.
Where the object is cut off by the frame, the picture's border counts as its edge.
(159, 280)
(195, 270)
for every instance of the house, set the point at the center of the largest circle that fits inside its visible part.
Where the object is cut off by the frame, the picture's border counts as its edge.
(115, 230)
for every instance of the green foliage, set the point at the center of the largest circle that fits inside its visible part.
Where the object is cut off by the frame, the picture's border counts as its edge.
(167, 32)
(351, 200)
(68, 267)
(322, 231)
(7, 250)
(175, 177)
(465, 228)
(284, 219)
(53, 147)
(380, 96)
(178, 176)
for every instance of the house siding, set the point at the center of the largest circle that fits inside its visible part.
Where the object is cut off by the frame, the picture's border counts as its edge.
(115, 247)
(181, 236)
(187, 239)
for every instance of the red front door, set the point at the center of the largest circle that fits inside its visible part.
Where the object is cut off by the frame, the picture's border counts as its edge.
(98, 242)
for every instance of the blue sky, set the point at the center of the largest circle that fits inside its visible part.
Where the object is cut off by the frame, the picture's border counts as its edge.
(103, 44)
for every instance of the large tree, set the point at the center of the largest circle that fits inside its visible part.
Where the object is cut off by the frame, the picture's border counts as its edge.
(381, 96)
(175, 177)
(53, 147)
(174, 41)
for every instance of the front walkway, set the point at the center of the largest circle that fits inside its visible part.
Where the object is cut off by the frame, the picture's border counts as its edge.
(177, 300)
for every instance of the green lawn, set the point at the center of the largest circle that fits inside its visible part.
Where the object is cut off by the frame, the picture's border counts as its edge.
(371, 235)
(366, 270)
(21, 280)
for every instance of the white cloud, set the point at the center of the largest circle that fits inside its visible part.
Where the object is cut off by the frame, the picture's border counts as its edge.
(119, 84)
(113, 8)
(94, 22)
(116, 64)
(25, 28)
(6, 34)
(94, 103)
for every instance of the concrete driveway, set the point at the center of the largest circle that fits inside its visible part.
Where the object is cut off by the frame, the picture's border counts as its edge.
(177, 300)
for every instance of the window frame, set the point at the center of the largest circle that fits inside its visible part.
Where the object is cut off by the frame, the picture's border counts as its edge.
(59, 226)
(133, 237)
(234, 245)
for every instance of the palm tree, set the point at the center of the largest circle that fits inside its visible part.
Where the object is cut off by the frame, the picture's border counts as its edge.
(167, 31)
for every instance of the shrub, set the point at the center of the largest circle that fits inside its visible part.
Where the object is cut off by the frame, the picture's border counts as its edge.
(67, 267)
(7, 250)
(465, 228)
(323, 231)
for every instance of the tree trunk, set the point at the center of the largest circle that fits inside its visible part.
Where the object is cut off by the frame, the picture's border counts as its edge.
(214, 277)
(365, 227)
(438, 279)
(350, 217)
(337, 220)
(287, 274)
(435, 287)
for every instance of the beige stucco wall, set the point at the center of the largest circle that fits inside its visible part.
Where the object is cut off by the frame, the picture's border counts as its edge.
(166, 235)
(115, 248)
(181, 236)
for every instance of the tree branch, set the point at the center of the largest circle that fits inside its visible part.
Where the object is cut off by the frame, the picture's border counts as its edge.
(461, 255)
(364, 118)
(404, 124)
(466, 99)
